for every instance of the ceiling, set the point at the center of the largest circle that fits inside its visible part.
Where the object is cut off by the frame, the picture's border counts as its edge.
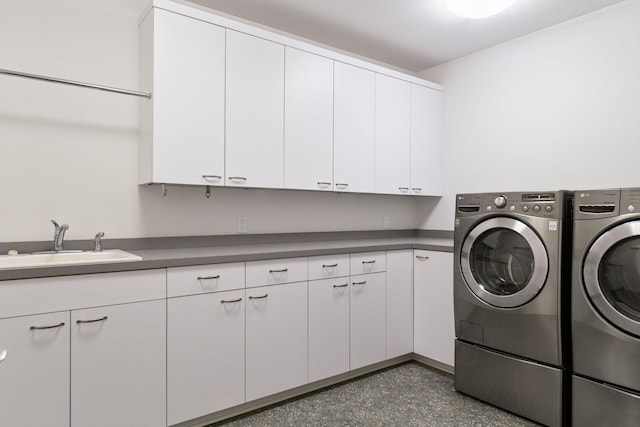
(409, 34)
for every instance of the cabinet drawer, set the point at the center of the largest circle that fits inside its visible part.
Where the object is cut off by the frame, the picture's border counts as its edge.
(325, 267)
(368, 262)
(33, 296)
(204, 278)
(276, 271)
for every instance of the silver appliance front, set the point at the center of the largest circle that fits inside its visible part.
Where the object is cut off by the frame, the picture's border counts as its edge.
(526, 388)
(606, 308)
(508, 301)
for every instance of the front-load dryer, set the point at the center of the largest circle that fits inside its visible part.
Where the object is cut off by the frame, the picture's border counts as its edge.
(606, 308)
(509, 300)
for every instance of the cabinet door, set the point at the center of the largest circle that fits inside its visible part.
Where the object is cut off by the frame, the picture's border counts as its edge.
(205, 354)
(308, 130)
(276, 340)
(328, 327)
(399, 303)
(186, 143)
(392, 135)
(367, 319)
(118, 365)
(255, 112)
(34, 370)
(434, 332)
(354, 107)
(426, 158)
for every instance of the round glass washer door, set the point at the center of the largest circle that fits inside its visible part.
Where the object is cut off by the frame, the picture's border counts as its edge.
(504, 262)
(611, 273)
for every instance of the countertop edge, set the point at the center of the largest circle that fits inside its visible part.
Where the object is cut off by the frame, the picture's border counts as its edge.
(181, 257)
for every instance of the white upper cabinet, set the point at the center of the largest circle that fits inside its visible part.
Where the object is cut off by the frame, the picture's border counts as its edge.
(426, 159)
(255, 112)
(392, 136)
(308, 131)
(182, 125)
(354, 117)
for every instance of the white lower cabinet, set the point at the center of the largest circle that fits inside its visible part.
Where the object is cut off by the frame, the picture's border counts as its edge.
(399, 303)
(368, 319)
(34, 370)
(205, 354)
(276, 339)
(118, 365)
(328, 327)
(434, 332)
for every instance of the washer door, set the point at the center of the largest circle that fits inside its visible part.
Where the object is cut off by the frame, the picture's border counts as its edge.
(611, 274)
(504, 262)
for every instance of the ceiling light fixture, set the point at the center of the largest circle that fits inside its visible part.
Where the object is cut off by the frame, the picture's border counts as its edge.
(476, 9)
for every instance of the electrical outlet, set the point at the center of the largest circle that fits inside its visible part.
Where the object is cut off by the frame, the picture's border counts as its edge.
(243, 224)
(386, 222)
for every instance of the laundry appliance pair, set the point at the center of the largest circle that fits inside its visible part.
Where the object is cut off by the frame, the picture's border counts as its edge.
(547, 304)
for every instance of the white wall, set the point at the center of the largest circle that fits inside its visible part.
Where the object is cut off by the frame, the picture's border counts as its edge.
(71, 154)
(558, 109)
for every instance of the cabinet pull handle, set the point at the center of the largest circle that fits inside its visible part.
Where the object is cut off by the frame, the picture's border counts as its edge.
(342, 184)
(284, 270)
(329, 265)
(37, 328)
(217, 276)
(260, 297)
(208, 177)
(3, 355)
(360, 283)
(237, 178)
(422, 257)
(417, 189)
(341, 286)
(230, 301)
(92, 320)
(369, 262)
(403, 189)
(325, 183)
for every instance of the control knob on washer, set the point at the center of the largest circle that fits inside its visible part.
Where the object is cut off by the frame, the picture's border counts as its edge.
(500, 201)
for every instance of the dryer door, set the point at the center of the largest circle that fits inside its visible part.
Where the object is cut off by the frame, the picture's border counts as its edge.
(611, 273)
(504, 262)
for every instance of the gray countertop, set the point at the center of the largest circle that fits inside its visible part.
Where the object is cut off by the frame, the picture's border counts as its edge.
(184, 256)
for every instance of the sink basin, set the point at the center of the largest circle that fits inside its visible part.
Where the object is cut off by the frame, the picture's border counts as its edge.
(58, 259)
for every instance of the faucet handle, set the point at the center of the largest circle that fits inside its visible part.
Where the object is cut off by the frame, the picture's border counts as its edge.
(97, 243)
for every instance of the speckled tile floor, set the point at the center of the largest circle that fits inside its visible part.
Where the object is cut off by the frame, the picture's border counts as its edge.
(406, 395)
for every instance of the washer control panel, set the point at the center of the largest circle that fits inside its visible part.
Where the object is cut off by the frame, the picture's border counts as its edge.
(544, 204)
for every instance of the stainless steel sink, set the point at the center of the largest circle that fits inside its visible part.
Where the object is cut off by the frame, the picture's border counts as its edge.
(57, 259)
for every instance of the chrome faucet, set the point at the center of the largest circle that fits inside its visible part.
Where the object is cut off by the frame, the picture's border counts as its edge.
(58, 236)
(97, 242)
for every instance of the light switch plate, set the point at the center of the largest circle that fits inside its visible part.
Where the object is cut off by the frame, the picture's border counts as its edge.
(243, 224)
(386, 222)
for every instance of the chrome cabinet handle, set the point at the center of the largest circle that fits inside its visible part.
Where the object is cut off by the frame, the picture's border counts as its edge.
(369, 262)
(324, 183)
(422, 257)
(341, 286)
(211, 177)
(284, 270)
(37, 328)
(403, 189)
(3, 355)
(329, 265)
(92, 320)
(230, 301)
(417, 189)
(238, 178)
(260, 297)
(217, 276)
(360, 283)
(341, 184)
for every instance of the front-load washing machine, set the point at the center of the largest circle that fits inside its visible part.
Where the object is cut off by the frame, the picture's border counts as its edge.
(509, 301)
(606, 308)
